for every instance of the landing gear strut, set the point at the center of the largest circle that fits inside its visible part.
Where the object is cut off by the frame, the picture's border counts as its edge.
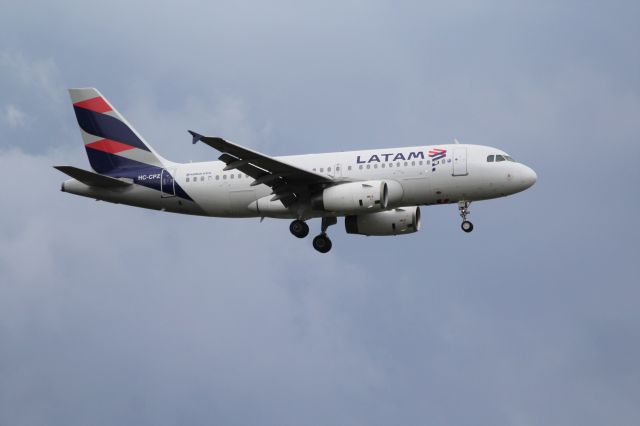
(463, 207)
(322, 243)
(299, 228)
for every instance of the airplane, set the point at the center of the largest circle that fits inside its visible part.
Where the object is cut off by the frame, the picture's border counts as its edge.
(378, 192)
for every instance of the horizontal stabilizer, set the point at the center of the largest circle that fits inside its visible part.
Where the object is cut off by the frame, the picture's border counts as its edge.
(91, 178)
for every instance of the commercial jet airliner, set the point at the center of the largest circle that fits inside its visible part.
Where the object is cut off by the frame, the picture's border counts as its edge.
(378, 192)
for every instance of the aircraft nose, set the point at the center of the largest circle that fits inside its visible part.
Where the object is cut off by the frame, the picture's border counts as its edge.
(529, 177)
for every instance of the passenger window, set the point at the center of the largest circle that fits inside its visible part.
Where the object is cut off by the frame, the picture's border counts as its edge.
(375, 166)
(217, 177)
(490, 159)
(420, 162)
(201, 178)
(360, 167)
(239, 175)
(428, 162)
(328, 169)
(382, 165)
(349, 168)
(390, 165)
(398, 164)
(187, 179)
(368, 166)
(321, 169)
(413, 163)
(406, 163)
(224, 177)
(499, 158)
(232, 176)
(314, 169)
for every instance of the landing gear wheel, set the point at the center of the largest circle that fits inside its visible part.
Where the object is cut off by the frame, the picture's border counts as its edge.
(299, 228)
(322, 243)
(463, 208)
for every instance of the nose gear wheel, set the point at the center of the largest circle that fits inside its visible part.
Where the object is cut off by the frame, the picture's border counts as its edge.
(463, 208)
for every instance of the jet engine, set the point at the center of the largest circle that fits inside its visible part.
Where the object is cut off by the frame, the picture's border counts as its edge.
(356, 197)
(403, 220)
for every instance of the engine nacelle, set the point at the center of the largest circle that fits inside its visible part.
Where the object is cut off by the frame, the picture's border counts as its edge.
(403, 220)
(354, 197)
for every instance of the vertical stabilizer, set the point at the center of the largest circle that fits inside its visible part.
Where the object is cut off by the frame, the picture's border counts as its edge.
(112, 144)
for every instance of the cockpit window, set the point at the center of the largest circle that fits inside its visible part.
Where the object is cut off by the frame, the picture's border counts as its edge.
(499, 157)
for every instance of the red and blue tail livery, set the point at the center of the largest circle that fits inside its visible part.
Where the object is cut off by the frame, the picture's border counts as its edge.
(113, 146)
(110, 141)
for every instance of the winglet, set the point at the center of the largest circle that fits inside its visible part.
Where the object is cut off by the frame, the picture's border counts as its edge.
(196, 136)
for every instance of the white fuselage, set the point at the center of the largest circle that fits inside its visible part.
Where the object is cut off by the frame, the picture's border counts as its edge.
(416, 179)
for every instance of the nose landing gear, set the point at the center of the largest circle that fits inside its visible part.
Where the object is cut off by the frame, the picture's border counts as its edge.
(463, 207)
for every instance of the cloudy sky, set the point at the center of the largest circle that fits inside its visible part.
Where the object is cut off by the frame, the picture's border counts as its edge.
(116, 315)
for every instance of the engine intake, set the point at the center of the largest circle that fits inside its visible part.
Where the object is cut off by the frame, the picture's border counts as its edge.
(403, 220)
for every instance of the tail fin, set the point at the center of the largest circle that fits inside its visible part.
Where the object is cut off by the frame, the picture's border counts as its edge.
(111, 143)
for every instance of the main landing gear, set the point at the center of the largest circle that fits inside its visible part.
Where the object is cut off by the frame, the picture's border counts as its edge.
(321, 242)
(463, 207)
(299, 228)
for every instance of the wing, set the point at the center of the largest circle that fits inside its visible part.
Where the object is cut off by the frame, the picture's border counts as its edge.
(287, 181)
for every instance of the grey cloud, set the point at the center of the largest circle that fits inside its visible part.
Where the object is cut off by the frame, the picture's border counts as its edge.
(37, 74)
(14, 116)
(109, 314)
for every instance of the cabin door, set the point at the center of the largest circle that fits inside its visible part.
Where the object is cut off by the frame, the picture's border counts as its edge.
(167, 183)
(460, 161)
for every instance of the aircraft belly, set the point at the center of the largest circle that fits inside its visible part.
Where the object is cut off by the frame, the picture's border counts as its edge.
(416, 190)
(225, 200)
(240, 201)
(137, 196)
